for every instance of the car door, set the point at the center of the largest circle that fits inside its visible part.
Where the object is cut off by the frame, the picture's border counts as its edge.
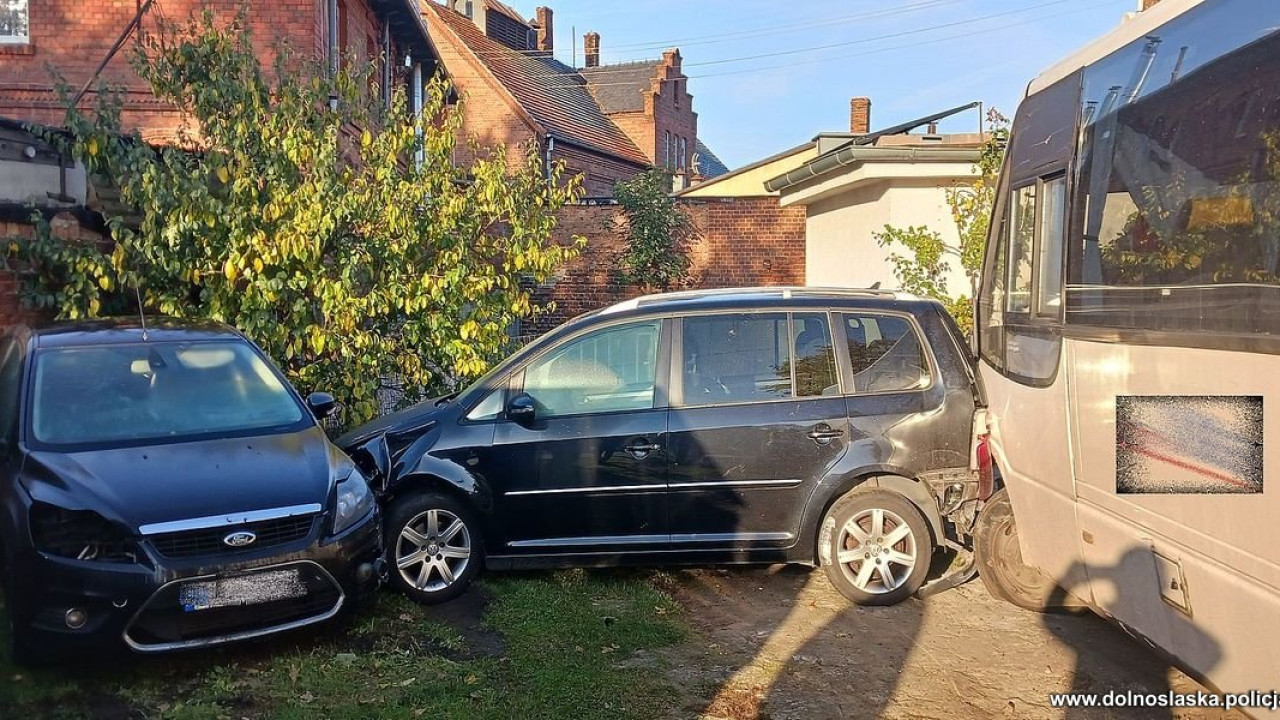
(757, 420)
(588, 473)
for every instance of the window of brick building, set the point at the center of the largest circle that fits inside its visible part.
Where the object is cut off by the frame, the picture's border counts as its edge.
(684, 154)
(666, 150)
(14, 21)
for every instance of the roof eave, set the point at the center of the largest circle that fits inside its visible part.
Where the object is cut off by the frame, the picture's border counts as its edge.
(853, 155)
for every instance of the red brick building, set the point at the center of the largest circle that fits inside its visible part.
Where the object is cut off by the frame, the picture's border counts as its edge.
(606, 123)
(74, 37)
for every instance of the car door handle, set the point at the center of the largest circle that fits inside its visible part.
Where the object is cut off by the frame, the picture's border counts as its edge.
(824, 434)
(640, 449)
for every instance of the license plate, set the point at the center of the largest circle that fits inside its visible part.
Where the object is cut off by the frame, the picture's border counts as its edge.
(254, 589)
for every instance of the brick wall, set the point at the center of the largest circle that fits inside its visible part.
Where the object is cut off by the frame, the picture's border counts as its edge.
(66, 226)
(741, 242)
(668, 111)
(489, 116)
(74, 36)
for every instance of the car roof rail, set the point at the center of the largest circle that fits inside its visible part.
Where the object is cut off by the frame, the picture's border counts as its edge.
(786, 292)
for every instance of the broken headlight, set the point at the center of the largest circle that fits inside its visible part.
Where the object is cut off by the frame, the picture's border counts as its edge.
(352, 501)
(79, 535)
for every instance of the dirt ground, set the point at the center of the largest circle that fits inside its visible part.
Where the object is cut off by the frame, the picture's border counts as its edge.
(780, 643)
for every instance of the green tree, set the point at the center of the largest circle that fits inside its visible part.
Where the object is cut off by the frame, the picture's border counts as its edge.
(330, 226)
(658, 232)
(923, 267)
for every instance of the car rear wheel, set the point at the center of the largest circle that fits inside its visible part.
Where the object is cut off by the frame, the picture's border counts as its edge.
(433, 547)
(875, 547)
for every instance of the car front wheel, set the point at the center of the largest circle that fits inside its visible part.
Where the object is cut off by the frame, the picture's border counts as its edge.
(875, 547)
(433, 547)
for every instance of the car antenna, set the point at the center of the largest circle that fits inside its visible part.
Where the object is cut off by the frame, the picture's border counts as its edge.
(142, 315)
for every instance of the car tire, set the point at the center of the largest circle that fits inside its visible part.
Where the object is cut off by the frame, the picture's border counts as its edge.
(1006, 576)
(431, 568)
(875, 547)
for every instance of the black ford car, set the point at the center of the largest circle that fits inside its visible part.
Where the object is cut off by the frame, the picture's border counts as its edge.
(164, 488)
(813, 426)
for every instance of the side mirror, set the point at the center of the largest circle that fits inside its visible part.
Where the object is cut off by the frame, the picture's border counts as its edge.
(521, 409)
(322, 404)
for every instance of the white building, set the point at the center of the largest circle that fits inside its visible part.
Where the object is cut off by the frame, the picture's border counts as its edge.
(859, 182)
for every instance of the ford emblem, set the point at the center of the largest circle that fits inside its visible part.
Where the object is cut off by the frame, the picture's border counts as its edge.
(240, 538)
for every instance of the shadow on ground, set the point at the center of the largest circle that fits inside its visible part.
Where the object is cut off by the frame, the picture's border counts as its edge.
(780, 643)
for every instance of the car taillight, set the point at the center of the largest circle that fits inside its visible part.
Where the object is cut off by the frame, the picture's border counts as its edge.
(986, 469)
(80, 535)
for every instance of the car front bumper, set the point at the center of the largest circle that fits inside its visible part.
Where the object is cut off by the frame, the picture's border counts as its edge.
(62, 606)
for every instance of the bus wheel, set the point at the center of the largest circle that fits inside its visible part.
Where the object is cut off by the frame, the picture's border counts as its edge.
(999, 558)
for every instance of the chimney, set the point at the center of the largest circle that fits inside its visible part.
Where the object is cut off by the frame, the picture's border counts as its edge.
(860, 115)
(1147, 4)
(591, 48)
(546, 30)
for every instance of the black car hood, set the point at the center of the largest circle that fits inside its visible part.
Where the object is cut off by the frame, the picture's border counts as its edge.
(411, 420)
(161, 483)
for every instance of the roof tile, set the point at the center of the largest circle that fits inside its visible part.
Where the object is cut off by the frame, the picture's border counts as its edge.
(620, 88)
(554, 94)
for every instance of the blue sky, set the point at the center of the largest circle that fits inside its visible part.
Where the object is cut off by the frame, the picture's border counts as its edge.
(911, 57)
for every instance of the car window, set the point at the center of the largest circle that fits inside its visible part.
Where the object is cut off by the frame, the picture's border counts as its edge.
(885, 353)
(157, 390)
(606, 371)
(736, 358)
(490, 407)
(815, 356)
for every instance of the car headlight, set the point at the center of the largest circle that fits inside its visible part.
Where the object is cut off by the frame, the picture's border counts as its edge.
(79, 534)
(352, 501)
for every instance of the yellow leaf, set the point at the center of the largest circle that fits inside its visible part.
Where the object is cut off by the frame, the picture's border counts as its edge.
(92, 147)
(257, 265)
(104, 282)
(366, 139)
(223, 176)
(93, 307)
(230, 270)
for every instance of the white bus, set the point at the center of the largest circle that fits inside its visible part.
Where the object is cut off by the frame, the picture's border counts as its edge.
(1129, 339)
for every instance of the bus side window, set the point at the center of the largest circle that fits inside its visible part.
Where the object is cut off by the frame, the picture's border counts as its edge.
(1022, 234)
(1036, 239)
(1052, 236)
(991, 301)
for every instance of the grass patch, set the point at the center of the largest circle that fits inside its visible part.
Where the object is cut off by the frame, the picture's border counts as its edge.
(566, 644)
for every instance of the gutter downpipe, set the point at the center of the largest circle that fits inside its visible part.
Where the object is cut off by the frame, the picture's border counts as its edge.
(854, 155)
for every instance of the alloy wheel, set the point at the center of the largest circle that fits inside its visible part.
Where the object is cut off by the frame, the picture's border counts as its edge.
(876, 551)
(433, 550)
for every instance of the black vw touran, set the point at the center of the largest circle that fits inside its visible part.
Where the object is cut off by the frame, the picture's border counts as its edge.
(163, 487)
(767, 425)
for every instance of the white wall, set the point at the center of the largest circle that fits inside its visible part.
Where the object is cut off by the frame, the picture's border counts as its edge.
(842, 251)
(28, 182)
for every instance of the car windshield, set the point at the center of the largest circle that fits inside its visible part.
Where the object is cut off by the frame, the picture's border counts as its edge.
(155, 391)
